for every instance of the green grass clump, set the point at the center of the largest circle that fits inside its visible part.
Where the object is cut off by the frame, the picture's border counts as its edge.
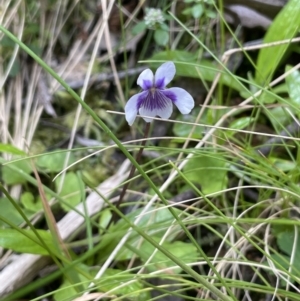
(211, 212)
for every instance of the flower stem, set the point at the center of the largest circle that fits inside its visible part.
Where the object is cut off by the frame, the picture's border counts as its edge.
(133, 168)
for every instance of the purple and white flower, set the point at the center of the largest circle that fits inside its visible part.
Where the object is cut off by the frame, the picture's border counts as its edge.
(156, 99)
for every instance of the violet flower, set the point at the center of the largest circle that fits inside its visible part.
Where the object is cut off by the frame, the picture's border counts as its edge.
(156, 100)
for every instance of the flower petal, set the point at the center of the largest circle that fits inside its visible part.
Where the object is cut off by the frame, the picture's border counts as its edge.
(164, 74)
(157, 105)
(145, 80)
(181, 98)
(132, 106)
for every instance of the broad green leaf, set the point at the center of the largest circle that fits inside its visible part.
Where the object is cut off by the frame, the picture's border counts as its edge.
(27, 199)
(190, 67)
(283, 164)
(207, 171)
(197, 11)
(285, 242)
(211, 14)
(187, 11)
(54, 162)
(14, 240)
(164, 26)
(139, 27)
(11, 177)
(269, 96)
(183, 130)
(111, 279)
(282, 262)
(8, 148)
(15, 68)
(31, 203)
(285, 26)
(279, 116)
(161, 37)
(155, 219)
(105, 218)
(9, 212)
(241, 123)
(68, 291)
(153, 223)
(187, 252)
(70, 190)
(293, 83)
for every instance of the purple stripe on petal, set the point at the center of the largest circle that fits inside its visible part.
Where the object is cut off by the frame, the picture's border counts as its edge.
(169, 94)
(160, 83)
(147, 84)
(154, 101)
(142, 98)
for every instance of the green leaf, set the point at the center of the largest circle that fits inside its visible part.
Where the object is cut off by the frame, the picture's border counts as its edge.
(187, 11)
(164, 26)
(268, 96)
(8, 148)
(197, 11)
(282, 262)
(9, 212)
(111, 279)
(15, 69)
(211, 14)
(70, 190)
(187, 252)
(14, 240)
(285, 242)
(293, 83)
(207, 171)
(241, 123)
(279, 116)
(54, 162)
(183, 130)
(7, 42)
(190, 67)
(153, 223)
(139, 27)
(283, 164)
(285, 26)
(32, 204)
(105, 218)
(27, 199)
(11, 177)
(161, 37)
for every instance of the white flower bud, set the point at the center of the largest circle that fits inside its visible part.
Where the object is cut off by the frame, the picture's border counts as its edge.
(153, 16)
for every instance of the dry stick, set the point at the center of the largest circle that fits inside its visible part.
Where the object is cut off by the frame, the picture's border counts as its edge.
(125, 187)
(26, 266)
